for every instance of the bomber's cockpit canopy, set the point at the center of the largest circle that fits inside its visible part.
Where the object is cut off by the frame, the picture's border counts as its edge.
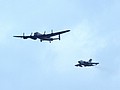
(37, 34)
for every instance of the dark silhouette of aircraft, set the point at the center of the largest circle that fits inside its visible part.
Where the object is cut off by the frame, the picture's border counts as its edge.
(43, 37)
(86, 63)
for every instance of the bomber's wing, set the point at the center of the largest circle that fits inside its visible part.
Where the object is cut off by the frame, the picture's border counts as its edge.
(57, 33)
(24, 37)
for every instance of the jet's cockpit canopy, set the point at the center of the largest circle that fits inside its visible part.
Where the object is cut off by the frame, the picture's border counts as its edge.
(81, 61)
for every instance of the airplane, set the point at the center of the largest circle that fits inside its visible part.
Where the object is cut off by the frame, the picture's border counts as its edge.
(86, 63)
(43, 37)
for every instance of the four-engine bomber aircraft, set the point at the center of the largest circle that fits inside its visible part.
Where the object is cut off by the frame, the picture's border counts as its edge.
(43, 37)
(86, 63)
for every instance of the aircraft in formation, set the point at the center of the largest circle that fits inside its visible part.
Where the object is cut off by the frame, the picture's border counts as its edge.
(86, 63)
(43, 37)
(48, 37)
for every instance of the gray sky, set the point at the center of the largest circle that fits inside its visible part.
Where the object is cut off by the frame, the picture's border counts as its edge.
(32, 65)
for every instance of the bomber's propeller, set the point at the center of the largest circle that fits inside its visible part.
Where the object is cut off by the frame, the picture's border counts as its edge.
(23, 34)
(51, 30)
(44, 32)
(31, 34)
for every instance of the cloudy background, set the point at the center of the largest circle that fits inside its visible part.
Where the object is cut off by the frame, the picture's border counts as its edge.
(32, 65)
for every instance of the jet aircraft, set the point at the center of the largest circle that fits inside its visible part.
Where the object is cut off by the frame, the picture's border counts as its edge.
(43, 37)
(86, 63)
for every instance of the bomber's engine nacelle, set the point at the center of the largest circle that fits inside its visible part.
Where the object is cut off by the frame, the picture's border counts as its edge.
(34, 38)
(24, 37)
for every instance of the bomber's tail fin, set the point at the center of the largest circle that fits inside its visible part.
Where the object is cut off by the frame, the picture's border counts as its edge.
(59, 36)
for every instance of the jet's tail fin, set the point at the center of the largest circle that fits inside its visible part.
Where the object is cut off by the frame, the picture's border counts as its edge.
(90, 60)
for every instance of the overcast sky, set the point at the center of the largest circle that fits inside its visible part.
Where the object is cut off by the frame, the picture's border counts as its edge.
(35, 65)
